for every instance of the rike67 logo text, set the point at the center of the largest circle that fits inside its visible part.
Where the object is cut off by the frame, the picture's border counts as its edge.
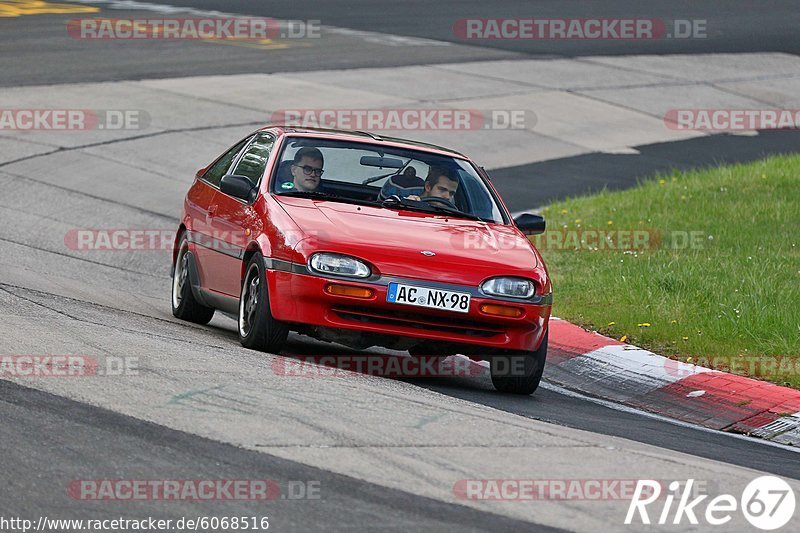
(767, 502)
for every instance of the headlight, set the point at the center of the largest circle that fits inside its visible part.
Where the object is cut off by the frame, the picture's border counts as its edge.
(509, 287)
(340, 265)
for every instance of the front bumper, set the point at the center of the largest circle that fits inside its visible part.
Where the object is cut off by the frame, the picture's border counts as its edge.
(301, 298)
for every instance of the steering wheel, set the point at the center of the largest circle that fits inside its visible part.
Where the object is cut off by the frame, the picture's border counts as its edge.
(433, 199)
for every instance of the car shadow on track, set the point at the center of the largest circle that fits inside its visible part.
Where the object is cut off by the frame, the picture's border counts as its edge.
(556, 407)
(464, 379)
(455, 376)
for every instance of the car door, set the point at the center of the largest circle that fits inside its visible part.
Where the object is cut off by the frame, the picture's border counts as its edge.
(234, 219)
(201, 208)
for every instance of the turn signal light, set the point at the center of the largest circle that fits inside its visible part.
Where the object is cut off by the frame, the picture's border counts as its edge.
(348, 290)
(501, 310)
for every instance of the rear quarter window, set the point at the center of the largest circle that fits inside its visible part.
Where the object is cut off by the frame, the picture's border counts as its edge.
(214, 174)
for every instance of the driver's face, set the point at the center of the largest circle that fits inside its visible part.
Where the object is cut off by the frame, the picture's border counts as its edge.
(445, 188)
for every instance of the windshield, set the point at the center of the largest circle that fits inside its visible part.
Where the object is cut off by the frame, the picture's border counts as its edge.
(394, 178)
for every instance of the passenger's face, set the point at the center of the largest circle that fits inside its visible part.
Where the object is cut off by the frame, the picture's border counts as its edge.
(444, 188)
(302, 181)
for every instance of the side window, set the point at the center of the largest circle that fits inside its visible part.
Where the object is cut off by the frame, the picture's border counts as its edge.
(214, 174)
(478, 198)
(254, 160)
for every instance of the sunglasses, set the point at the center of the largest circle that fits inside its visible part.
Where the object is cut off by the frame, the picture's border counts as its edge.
(311, 171)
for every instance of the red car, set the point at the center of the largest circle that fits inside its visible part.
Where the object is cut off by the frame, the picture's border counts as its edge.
(366, 241)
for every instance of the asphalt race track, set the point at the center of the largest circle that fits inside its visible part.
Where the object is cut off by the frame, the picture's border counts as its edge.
(385, 454)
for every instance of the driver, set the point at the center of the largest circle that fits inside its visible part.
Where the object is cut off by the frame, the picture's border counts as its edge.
(440, 183)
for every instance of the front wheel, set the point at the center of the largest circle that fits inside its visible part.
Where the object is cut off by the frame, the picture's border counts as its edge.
(258, 330)
(519, 373)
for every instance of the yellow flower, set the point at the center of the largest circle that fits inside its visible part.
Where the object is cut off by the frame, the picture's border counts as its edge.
(686, 338)
(610, 222)
(612, 323)
(623, 338)
(688, 359)
(563, 211)
(644, 325)
(673, 321)
(577, 221)
(661, 182)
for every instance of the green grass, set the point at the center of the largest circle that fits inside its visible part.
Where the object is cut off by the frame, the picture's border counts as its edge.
(733, 298)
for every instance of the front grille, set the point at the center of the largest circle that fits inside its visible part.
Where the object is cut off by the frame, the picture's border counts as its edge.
(420, 321)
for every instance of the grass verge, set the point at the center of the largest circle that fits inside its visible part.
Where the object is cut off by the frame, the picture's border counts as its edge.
(702, 266)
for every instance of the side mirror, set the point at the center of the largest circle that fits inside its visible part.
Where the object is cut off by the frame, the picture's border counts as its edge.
(238, 186)
(530, 224)
(199, 173)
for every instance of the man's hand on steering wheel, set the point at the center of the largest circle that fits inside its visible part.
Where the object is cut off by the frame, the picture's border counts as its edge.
(433, 199)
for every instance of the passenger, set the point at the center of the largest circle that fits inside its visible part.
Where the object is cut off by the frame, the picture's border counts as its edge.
(306, 170)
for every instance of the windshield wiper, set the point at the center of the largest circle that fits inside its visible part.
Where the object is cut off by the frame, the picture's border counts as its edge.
(395, 172)
(394, 201)
(377, 178)
(455, 212)
(319, 195)
(308, 194)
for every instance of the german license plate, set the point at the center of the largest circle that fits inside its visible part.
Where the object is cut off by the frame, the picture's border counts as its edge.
(428, 297)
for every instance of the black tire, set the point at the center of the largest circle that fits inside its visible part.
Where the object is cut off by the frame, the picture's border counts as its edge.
(258, 330)
(519, 373)
(184, 305)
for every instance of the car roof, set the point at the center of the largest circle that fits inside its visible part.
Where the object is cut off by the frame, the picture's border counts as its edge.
(358, 135)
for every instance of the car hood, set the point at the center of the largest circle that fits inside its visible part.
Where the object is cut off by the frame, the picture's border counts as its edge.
(466, 251)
